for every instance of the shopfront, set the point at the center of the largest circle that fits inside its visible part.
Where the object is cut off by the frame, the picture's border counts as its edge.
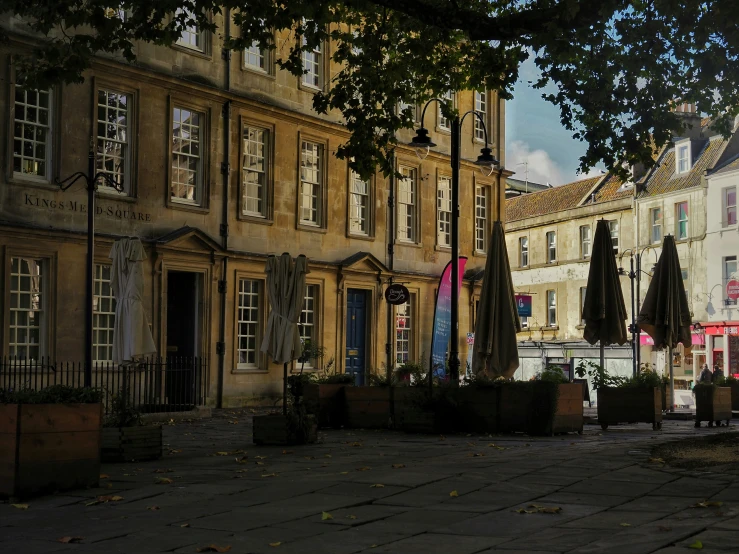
(722, 343)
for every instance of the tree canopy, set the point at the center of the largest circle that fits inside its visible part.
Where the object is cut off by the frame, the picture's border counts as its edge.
(619, 66)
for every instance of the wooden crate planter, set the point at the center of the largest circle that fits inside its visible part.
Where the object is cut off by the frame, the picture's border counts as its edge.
(327, 403)
(412, 412)
(273, 429)
(49, 447)
(629, 405)
(478, 409)
(368, 407)
(524, 408)
(734, 396)
(666, 398)
(712, 404)
(131, 444)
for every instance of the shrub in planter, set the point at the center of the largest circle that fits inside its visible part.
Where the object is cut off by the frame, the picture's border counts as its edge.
(297, 427)
(625, 400)
(49, 440)
(322, 394)
(125, 438)
(369, 407)
(733, 384)
(712, 404)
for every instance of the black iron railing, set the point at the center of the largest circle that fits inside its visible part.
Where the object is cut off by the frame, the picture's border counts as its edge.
(174, 384)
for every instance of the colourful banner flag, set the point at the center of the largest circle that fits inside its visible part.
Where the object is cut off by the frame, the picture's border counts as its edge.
(443, 318)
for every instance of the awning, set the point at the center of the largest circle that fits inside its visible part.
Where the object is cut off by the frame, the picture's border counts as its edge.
(699, 339)
(720, 327)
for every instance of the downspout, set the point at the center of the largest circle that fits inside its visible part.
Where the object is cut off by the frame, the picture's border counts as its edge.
(390, 265)
(226, 172)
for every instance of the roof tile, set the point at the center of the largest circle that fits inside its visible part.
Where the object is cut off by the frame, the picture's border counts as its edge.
(548, 201)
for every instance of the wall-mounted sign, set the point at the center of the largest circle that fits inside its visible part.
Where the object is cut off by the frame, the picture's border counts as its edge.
(732, 289)
(397, 294)
(523, 304)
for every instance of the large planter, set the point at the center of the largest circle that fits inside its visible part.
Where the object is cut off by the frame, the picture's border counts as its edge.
(49, 447)
(275, 429)
(712, 404)
(666, 398)
(537, 408)
(734, 396)
(413, 413)
(478, 409)
(368, 407)
(327, 403)
(131, 444)
(629, 405)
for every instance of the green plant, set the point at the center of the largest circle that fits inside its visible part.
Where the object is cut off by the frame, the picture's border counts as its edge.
(296, 383)
(647, 378)
(56, 394)
(482, 380)
(599, 377)
(298, 422)
(730, 379)
(410, 373)
(121, 413)
(380, 380)
(310, 352)
(552, 374)
(330, 376)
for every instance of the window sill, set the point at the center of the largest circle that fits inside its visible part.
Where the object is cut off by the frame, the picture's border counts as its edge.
(355, 236)
(312, 228)
(115, 195)
(441, 248)
(443, 130)
(261, 72)
(479, 254)
(23, 180)
(254, 219)
(409, 244)
(249, 371)
(308, 88)
(185, 207)
(192, 51)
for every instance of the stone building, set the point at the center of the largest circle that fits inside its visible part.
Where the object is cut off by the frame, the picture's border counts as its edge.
(549, 235)
(223, 162)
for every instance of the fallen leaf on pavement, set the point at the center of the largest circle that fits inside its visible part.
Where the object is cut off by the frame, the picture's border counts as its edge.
(326, 516)
(351, 517)
(377, 486)
(343, 473)
(275, 543)
(536, 509)
(269, 475)
(491, 445)
(355, 444)
(475, 455)
(697, 545)
(708, 504)
(222, 454)
(398, 466)
(364, 468)
(163, 470)
(260, 463)
(185, 525)
(625, 524)
(327, 456)
(164, 481)
(20, 506)
(152, 508)
(454, 494)
(175, 451)
(310, 457)
(214, 548)
(656, 461)
(287, 451)
(260, 457)
(70, 540)
(104, 476)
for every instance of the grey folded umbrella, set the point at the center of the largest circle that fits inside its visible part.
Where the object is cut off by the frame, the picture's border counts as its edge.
(495, 349)
(665, 313)
(604, 310)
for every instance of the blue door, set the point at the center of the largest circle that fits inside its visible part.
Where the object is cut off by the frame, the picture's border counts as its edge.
(356, 320)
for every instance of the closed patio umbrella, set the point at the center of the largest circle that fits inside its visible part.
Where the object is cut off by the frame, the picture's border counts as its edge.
(131, 334)
(665, 314)
(495, 349)
(604, 310)
(285, 291)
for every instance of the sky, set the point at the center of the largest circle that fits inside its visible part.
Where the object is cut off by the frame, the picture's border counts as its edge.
(535, 135)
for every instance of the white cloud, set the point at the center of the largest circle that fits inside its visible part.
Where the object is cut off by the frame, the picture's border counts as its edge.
(541, 167)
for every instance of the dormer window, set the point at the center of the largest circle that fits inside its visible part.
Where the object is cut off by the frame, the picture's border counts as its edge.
(682, 157)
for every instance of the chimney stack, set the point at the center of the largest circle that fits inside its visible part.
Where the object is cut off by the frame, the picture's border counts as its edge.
(690, 120)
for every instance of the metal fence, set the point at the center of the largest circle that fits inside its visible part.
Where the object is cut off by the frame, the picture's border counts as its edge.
(173, 384)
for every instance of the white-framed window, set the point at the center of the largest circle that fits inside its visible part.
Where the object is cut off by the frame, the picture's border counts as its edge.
(404, 332)
(524, 322)
(313, 66)
(682, 156)
(551, 247)
(358, 204)
(103, 315)
(586, 241)
(551, 308)
(311, 183)
(445, 123)
(407, 209)
(681, 221)
(32, 133)
(113, 138)
(655, 219)
(187, 164)
(523, 247)
(686, 282)
(481, 219)
(248, 324)
(729, 270)
(254, 171)
(613, 227)
(444, 212)
(191, 36)
(481, 106)
(27, 308)
(729, 194)
(583, 291)
(307, 322)
(256, 57)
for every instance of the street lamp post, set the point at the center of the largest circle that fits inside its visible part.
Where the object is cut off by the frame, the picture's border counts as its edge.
(91, 179)
(423, 144)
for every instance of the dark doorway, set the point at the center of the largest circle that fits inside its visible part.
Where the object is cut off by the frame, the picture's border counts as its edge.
(356, 334)
(183, 304)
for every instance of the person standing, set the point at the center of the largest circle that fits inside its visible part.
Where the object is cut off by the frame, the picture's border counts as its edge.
(706, 376)
(718, 373)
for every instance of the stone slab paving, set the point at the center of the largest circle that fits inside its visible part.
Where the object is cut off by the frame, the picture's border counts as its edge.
(381, 491)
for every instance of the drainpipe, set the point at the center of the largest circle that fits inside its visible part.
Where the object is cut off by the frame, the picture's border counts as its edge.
(226, 172)
(390, 257)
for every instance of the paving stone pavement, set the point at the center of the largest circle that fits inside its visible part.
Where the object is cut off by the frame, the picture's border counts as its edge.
(389, 492)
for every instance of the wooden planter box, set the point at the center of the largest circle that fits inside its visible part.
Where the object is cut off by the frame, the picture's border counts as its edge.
(523, 408)
(273, 429)
(368, 407)
(478, 409)
(712, 404)
(49, 447)
(629, 405)
(666, 398)
(734, 396)
(327, 403)
(131, 444)
(412, 413)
